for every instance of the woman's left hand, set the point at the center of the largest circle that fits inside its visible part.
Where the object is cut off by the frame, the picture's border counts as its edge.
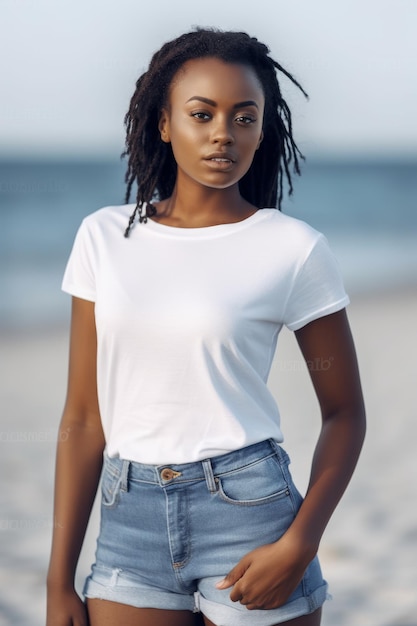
(266, 577)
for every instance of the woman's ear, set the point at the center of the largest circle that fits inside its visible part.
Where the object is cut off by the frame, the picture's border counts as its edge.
(163, 126)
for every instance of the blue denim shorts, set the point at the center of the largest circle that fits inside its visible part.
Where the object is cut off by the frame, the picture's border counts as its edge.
(169, 533)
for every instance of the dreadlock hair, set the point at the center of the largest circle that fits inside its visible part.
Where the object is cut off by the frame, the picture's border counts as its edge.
(151, 162)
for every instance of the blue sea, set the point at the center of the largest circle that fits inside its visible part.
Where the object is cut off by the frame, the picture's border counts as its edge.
(367, 209)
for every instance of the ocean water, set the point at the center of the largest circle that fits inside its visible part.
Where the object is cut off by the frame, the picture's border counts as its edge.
(367, 209)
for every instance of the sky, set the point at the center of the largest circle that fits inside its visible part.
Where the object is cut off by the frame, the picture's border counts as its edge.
(68, 68)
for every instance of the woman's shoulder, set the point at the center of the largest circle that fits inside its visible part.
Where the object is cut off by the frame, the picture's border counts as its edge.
(108, 215)
(286, 226)
(105, 223)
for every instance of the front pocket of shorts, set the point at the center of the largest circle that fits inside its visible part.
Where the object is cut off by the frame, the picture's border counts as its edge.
(259, 483)
(110, 485)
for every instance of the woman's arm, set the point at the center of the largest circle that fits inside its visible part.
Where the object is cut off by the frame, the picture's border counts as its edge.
(267, 576)
(339, 393)
(78, 467)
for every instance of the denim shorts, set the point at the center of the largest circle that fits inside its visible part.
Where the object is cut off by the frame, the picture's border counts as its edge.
(169, 533)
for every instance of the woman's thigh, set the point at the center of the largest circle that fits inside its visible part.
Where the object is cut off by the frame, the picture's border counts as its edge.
(107, 613)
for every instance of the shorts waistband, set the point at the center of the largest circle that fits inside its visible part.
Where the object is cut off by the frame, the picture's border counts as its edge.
(207, 469)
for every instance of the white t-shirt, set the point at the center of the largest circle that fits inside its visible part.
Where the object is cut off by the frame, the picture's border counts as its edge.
(187, 325)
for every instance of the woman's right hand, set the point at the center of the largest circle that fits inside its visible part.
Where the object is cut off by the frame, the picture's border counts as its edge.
(65, 608)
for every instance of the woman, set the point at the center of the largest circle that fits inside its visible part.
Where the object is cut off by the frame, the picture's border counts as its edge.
(173, 331)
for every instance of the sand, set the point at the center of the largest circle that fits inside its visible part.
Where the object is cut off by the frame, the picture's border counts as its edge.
(369, 552)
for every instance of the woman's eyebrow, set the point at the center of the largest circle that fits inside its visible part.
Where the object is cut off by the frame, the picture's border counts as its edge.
(212, 103)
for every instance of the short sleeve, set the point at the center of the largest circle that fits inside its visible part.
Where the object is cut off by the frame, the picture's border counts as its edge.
(318, 288)
(79, 275)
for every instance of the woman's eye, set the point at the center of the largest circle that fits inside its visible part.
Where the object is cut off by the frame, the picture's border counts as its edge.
(245, 119)
(200, 115)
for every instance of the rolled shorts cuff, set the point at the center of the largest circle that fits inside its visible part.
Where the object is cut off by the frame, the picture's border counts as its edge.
(116, 586)
(235, 614)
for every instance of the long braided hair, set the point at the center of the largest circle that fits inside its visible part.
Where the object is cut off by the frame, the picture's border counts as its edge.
(151, 163)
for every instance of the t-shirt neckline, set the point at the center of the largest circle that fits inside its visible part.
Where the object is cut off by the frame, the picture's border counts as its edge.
(217, 230)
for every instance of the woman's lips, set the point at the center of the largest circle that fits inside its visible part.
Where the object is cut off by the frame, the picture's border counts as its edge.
(220, 163)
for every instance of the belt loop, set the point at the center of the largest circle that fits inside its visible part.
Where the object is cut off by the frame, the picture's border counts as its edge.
(124, 476)
(275, 448)
(278, 451)
(209, 476)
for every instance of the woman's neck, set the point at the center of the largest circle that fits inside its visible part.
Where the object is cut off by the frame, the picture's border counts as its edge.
(203, 207)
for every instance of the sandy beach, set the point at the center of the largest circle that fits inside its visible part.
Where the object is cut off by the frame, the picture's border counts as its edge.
(369, 552)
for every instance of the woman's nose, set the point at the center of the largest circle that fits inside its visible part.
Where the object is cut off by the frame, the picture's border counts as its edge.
(222, 132)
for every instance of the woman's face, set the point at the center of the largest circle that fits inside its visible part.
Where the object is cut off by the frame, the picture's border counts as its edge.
(213, 121)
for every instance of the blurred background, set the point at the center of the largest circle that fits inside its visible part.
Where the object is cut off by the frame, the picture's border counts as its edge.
(68, 70)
